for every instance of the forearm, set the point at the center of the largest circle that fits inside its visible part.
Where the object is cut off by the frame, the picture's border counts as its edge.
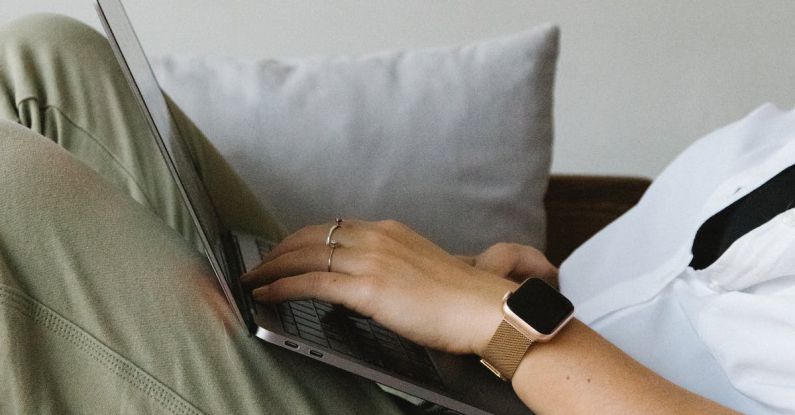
(579, 372)
(386, 271)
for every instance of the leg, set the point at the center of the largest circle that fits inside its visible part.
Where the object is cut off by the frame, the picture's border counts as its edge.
(103, 309)
(59, 78)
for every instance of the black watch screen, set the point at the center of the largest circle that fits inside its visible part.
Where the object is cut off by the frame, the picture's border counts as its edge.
(540, 305)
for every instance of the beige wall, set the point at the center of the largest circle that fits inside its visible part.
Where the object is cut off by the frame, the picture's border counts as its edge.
(638, 80)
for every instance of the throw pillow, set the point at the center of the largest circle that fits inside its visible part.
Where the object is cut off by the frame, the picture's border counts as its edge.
(455, 142)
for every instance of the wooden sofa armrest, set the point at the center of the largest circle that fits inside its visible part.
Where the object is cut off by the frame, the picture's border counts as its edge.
(579, 206)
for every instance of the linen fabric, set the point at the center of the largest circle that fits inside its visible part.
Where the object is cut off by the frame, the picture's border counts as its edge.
(104, 308)
(75, 96)
(727, 331)
(455, 142)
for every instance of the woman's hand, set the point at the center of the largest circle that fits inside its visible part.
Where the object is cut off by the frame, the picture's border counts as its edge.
(386, 271)
(514, 262)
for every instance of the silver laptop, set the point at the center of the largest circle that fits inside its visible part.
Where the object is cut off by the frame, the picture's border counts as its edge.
(317, 330)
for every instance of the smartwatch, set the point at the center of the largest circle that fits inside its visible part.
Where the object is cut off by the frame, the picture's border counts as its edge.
(534, 312)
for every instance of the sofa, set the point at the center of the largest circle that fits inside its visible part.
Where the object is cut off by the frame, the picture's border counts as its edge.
(454, 141)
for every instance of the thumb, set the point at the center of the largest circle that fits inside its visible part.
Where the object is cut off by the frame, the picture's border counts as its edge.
(516, 262)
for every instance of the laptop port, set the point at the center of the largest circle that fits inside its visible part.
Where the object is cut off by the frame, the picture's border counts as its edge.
(315, 353)
(291, 344)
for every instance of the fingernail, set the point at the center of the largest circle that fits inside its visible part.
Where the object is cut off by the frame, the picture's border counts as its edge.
(261, 293)
(245, 278)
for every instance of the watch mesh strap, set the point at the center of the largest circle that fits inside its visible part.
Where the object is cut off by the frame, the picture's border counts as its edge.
(505, 351)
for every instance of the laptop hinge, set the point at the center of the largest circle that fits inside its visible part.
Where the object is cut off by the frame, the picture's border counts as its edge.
(234, 260)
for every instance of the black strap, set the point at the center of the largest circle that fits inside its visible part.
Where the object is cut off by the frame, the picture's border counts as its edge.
(754, 209)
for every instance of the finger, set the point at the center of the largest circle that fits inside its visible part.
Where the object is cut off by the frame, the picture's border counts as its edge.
(469, 260)
(515, 262)
(308, 259)
(287, 264)
(331, 287)
(316, 235)
(405, 235)
(532, 263)
(304, 236)
(499, 259)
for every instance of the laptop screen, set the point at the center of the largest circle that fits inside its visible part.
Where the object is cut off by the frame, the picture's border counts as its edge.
(145, 87)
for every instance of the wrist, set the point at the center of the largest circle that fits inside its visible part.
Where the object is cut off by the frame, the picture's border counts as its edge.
(488, 327)
(490, 316)
(533, 313)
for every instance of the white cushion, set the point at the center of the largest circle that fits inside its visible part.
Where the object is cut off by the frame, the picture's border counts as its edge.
(454, 142)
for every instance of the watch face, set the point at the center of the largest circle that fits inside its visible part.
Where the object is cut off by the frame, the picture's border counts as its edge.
(540, 306)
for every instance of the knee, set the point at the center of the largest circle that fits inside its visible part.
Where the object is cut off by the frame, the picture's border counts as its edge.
(26, 161)
(51, 58)
(41, 42)
(50, 32)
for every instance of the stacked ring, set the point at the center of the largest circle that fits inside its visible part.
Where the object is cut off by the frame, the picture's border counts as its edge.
(331, 243)
(330, 256)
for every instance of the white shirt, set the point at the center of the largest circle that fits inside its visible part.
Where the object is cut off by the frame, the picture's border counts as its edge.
(726, 332)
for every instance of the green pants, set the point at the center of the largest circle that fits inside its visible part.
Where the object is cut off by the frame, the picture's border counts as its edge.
(105, 304)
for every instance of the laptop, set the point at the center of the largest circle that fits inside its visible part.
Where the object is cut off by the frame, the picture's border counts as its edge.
(324, 332)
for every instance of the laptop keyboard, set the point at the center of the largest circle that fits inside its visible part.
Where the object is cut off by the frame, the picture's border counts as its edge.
(343, 331)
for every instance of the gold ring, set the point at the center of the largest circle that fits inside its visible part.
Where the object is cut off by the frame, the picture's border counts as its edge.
(331, 243)
(330, 256)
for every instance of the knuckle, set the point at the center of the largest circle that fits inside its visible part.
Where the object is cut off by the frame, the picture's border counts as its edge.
(372, 262)
(505, 248)
(295, 236)
(315, 282)
(533, 251)
(305, 229)
(368, 287)
(375, 238)
(500, 246)
(390, 225)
